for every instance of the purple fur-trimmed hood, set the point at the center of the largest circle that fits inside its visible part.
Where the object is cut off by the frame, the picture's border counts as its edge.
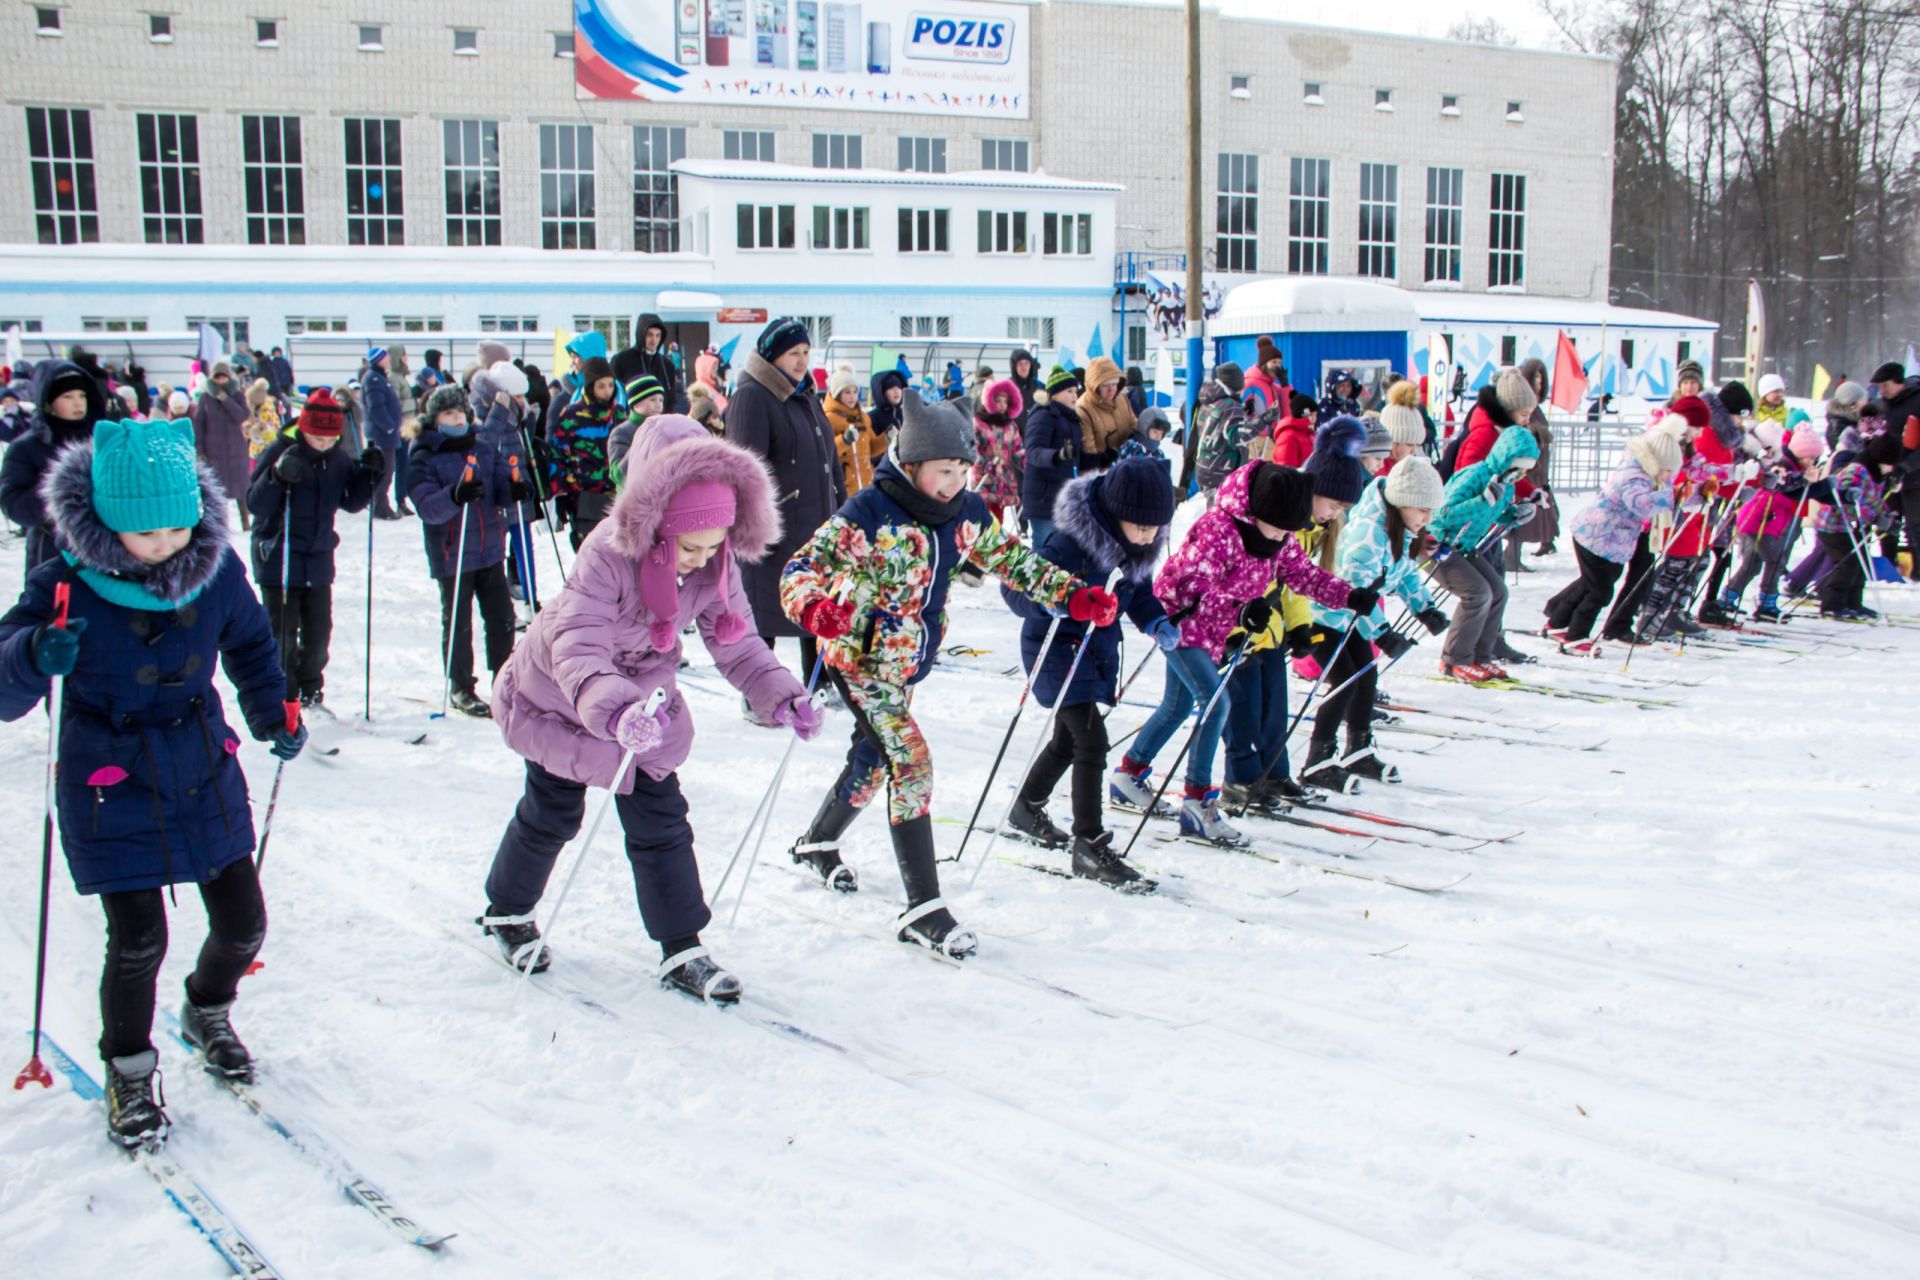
(673, 450)
(67, 491)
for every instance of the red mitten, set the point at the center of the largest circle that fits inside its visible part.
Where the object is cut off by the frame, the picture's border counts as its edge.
(827, 618)
(1093, 604)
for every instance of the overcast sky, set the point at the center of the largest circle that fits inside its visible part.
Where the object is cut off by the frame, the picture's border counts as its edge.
(1410, 17)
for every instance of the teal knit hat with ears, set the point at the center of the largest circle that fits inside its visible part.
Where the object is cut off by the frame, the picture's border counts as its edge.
(145, 476)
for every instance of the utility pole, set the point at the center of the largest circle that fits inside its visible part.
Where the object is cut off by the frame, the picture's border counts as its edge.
(1196, 311)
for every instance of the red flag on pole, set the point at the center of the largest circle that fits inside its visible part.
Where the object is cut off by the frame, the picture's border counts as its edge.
(1569, 376)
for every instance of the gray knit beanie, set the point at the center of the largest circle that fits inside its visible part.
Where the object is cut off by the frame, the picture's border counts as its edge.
(931, 431)
(1515, 395)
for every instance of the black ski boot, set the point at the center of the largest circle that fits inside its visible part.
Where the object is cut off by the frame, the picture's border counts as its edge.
(135, 1102)
(1284, 792)
(208, 1028)
(469, 703)
(1094, 859)
(819, 849)
(691, 971)
(1242, 797)
(1363, 761)
(926, 922)
(519, 938)
(1031, 822)
(1323, 768)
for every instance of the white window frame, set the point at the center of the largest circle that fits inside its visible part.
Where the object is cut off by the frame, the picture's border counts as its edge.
(819, 330)
(388, 173)
(1002, 233)
(1061, 230)
(509, 324)
(914, 147)
(266, 33)
(1240, 87)
(1036, 331)
(159, 28)
(924, 230)
(1450, 104)
(1445, 226)
(1310, 94)
(466, 42)
(370, 37)
(656, 187)
(849, 146)
(470, 176)
(72, 217)
(46, 21)
(618, 330)
(413, 324)
(28, 324)
(567, 172)
(173, 183)
(113, 324)
(1507, 232)
(1309, 215)
(300, 325)
(234, 331)
(1236, 213)
(1006, 155)
(1383, 100)
(563, 44)
(273, 135)
(1379, 230)
(736, 143)
(841, 229)
(765, 228)
(926, 326)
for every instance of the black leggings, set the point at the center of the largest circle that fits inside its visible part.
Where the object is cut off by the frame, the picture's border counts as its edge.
(1576, 608)
(1079, 742)
(137, 943)
(489, 587)
(1639, 579)
(1353, 704)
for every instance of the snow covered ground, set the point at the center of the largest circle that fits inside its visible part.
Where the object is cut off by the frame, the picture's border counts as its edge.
(1669, 1031)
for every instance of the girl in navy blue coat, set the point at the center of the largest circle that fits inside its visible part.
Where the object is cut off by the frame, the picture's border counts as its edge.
(459, 484)
(149, 790)
(1114, 520)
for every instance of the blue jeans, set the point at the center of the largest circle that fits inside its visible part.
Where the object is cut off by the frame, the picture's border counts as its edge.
(520, 546)
(1257, 718)
(1191, 681)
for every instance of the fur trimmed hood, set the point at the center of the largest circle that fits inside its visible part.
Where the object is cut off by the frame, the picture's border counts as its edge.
(1075, 514)
(1000, 399)
(67, 491)
(1726, 429)
(673, 450)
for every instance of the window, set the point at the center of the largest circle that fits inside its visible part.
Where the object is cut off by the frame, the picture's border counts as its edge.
(563, 44)
(1626, 352)
(266, 32)
(1446, 209)
(1682, 352)
(413, 324)
(160, 28)
(1507, 232)
(1005, 154)
(1514, 115)
(509, 324)
(1066, 233)
(923, 231)
(170, 178)
(10, 323)
(466, 42)
(1236, 213)
(1240, 87)
(1309, 216)
(656, 191)
(1136, 343)
(274, 179)
(1311, 94)
(1449, 104)
(113, 324)
(566, 186)
(370, 38)
(923, 155)
(747, 144)
(471, 159)
(836, 151)
(763, 226)
(46, 20)
(1383, 99)
(839, 228)
(1002, 232)
(926, 326)
(375, 199)
(617, 330)
(1379, 220)
(1035, 331)
(819, 330)
(60, 162)
(1509, 350)
(299, 325)
(234, 331)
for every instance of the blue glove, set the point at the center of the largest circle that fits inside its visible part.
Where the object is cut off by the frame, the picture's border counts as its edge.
(55, 650)
(1165, 634)
(287, 744)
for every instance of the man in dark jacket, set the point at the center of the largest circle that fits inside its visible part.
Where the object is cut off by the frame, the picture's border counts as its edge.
(300, 482)
(67, 401)
(1902, 394)
(1025, 373)
(1052, 442)
(282, 372)
(382, 405)
(775, 414)
(650, 346)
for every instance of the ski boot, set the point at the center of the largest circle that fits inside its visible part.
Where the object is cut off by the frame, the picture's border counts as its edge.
(1362, 761)
(1494, 670)
(313, 700)
(519, 938)
(469, 703)
(1323, 769)
(1580, 648)
(136, 1117)
(691, 971)
(1094, 859)
(1200, 820)
(1133, 793)
(1504, 652)
(1031, 823)
(1769, 610)
(926, 922)
(1721, 612)
(1465, 673)
(1246, 797)
(208, 1028)
(819, 849)
(1284, 792)
(1551, 632)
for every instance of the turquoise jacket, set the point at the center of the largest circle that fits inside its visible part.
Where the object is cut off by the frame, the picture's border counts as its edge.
(1480, 497)
(1365, 557)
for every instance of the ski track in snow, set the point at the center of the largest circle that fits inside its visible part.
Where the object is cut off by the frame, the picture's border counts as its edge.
(1667, 1031)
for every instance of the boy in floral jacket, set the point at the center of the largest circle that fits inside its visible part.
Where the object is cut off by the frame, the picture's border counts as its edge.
(872, 585)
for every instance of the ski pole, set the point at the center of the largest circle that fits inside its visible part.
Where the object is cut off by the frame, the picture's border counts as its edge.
(1053, 629)
(1311, 690)
(1046, 728)
(1218, 690)
(35, 1072)
(367, 690)
(288, 659)
(1848, 512)
(273, 797)
(763, 812)
(454, 609)
(1652, 573)
(546, 510)
(526, 541)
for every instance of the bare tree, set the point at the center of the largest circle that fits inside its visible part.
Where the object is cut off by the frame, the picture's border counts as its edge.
(1472, 28)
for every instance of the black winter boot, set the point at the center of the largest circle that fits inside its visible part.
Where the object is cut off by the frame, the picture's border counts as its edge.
(1323, 768)
(519, 938)
(208, 1028)
(688, 969)
(1094, 859)
(135, 1118)
(1362, 761)
(926, 922)
(1031, 822)
(819, 849)
(469, 703)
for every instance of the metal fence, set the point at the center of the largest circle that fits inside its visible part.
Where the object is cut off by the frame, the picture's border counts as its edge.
(1585, 453)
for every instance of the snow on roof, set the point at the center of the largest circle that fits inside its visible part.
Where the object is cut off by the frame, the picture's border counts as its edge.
(766, 171)
(1305, 304)
(435, 268)
(1522, 309)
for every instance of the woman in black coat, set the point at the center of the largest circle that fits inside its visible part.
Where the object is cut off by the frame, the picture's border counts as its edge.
(775, 413)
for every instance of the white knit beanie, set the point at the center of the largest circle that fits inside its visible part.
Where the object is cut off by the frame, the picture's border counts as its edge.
(1414, 482)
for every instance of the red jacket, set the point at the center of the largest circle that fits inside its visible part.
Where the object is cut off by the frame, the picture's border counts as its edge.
(1482, 431)
(1292, 441)
(1271, 392)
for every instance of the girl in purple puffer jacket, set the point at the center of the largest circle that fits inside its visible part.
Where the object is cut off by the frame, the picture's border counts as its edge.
(579, 695)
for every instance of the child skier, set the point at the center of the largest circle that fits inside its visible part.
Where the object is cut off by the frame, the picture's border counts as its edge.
(301, 481)
(861, 444)
(1479, 499)
(646, 400)
(506, 422)
(1216, 585)
(458, 484)
(1607, 533)
(1051, 443)
(578, 442)
(67, 401)
(1114, 520)
(1846, 524)
(996, 429)
(1150, 433)
(872, 585)
(577, 696)
(150, 790)
(1766, 523)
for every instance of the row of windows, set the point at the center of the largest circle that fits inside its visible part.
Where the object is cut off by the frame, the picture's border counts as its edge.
(1310, 221)
(776, 226)
(848, 151)
(368, 37)
(1241, 87)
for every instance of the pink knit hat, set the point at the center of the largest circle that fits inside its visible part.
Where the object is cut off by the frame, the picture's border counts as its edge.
(696, 505)
(1806, 444)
